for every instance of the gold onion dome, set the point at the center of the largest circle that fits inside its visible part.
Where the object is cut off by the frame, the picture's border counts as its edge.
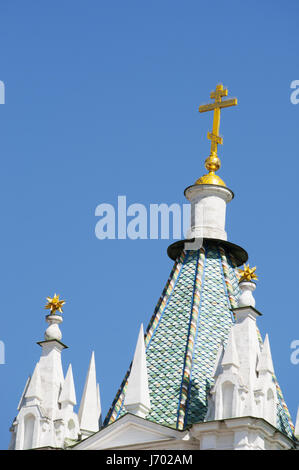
(210, 178)
(212, 163)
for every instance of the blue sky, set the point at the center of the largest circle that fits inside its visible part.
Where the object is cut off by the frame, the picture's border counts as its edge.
(101, 101)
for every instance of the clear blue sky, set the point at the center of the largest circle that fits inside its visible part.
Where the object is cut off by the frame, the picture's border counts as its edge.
(101, 101)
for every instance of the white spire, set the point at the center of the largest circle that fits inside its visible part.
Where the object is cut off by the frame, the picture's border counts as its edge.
(137, 399)
(89, 407)
(265, 363)
(99, 405)
(34, 390)
(68, 394)
(223, 401)
(218, 367)
(21, 402)
(230, 357)
(265, 394)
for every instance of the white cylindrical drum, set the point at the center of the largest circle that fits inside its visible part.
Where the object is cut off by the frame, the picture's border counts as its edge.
(208, 210)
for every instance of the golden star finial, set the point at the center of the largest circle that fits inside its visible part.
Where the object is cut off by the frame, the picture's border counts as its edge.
(247, 273)
(54, 304)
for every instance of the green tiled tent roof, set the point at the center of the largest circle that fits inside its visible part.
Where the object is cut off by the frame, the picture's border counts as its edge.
(192, 318)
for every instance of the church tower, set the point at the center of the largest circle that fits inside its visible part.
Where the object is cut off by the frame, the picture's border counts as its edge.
(46, 417)
(201, 377)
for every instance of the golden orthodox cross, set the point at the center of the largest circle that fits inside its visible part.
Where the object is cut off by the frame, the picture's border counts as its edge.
(217, 95)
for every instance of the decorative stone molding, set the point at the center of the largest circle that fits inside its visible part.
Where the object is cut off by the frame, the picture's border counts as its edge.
(246, 298)
(53, 330)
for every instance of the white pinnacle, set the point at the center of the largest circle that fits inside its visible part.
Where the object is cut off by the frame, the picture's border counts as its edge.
(99, 405)
(34, 389)
(137, 399)
(230, 357)
(89, 407)
(21, 402)
(265, 363)
(217, 367)
(68, 394)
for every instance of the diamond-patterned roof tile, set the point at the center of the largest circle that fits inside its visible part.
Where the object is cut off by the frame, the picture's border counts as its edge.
(192, 318)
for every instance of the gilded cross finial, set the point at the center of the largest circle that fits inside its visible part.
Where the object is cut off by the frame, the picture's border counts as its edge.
(212, 163)
(54, 304)
(247, 273)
